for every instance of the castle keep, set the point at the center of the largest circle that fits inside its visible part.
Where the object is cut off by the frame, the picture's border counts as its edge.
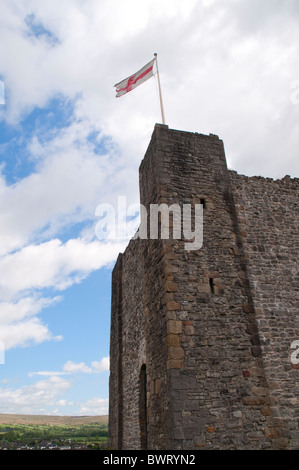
(201, 339)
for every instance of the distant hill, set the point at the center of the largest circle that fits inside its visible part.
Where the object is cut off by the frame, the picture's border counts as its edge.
(54, 420)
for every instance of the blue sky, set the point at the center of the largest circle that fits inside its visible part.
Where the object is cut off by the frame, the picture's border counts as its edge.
(67, 146)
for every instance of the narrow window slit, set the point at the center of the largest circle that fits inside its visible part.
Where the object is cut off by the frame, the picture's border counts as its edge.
(203, 203)
(212, 286)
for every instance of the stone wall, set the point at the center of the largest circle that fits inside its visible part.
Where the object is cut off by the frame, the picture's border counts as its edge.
(127, 350)
(268, 216)
(211, 328)
(115, 379)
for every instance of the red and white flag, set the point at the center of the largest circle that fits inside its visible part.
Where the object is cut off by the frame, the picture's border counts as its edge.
(135, 80)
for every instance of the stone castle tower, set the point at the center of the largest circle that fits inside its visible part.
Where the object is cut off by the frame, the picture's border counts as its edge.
(201, 340)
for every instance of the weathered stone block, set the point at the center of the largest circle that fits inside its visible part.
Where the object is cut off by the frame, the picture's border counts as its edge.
(266, 411)
(174, 327)
(172, 340)
(251, 401)
(172, 305)
(176, 352)
(189, 330)
(204, 287)
(174, 363)
(171, 286)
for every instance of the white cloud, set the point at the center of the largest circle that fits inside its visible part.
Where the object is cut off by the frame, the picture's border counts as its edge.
(61, 403)
(65, 189)
(19, 325)
(95, 406)
(36, 267)
(46, 373)
(53, 264)
(44, 395)
(102, 365)
(25, 332)
(33, 399)
(71, 367)
(23, 309)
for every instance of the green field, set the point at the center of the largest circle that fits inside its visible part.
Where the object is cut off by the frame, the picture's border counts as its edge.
(55, 432)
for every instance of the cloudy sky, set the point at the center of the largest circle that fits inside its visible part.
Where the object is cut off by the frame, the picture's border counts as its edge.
(67, 145)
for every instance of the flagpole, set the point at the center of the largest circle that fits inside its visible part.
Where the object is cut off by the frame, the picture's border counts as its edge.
(160, 93)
